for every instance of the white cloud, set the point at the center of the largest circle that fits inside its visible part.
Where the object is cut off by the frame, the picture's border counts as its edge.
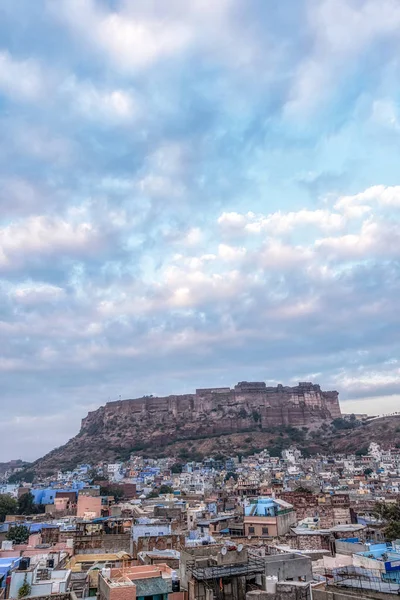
(380, 195)
(280, 222)
(193, 237)
(231, 253)
(43, 236)
(130, 42)
(35, 294)
(96, 103)
(375, 239)
(341, 32)
(276, 256)
(20, 79)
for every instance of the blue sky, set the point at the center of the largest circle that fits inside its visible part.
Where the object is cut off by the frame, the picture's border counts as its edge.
(192, 194)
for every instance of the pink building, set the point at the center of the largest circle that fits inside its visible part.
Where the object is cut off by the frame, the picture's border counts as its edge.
(89, 507)
(139, 583)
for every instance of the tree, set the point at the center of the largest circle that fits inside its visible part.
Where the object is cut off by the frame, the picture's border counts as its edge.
(8, 506)
(25, 589)
(26, 504)
(362, 451)
(166, 489)
(231, 474)
(153, 494)
(176, 468)
(18, 534)
(368, 471)
(26, 476)
(390, 515)
(112, 490)
(340, 423)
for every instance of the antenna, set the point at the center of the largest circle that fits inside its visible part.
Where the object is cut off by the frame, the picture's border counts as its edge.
(240, 548)
(223, 550)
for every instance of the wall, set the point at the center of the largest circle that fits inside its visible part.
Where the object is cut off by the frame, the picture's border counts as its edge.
(106, 592)
(336, 593)
(88, 504)
(99, 543)
(310, 542)
(164, 542)
(280, 405)
(288, 566)
(150, 529)
(343, 547)
(258, 523)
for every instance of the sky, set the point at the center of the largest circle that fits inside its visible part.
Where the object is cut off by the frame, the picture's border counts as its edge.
(194, 194)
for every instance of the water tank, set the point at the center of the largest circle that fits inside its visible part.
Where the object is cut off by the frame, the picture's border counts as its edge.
(50, 563)
(6, 545)
(270, 584)
(24, 563)
(176, 585)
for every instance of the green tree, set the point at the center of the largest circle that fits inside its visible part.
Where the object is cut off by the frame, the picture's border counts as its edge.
(153, 494)
(390, 515)
(18, 534)
(166, 489)
(362, 451)
(8, 506)
(368, 471)
(112, 490)
(340, 423)
(26, 476)
(25, 589)
(26, 504)
(176, 468)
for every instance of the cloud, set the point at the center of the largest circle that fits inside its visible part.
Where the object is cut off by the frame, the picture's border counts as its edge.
(20, 80)
(343, 32)
(43, 237)
(130, 42)
(111, 105)
(206, 191)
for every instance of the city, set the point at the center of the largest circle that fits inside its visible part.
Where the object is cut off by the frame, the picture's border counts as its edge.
(257, 527)
(199, 299)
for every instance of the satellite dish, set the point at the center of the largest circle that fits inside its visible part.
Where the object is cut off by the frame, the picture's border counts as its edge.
(240, 548)
(223, 550)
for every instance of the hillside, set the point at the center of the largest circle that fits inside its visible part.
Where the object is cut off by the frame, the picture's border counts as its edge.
(323, 438)
(211, 420)
(119, 429)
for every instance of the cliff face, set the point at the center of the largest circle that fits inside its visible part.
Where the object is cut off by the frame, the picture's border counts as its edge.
(224, 409)
(119, 428)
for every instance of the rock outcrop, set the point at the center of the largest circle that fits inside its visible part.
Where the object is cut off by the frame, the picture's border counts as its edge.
(153, 423)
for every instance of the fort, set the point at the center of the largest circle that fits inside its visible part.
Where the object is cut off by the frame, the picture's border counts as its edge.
(228, 409)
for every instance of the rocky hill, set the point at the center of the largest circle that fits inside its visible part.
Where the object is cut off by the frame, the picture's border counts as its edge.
(184, 443)
(248, 417)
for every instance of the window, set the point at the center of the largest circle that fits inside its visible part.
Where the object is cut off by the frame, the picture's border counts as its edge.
(265, 530)
(251, 529)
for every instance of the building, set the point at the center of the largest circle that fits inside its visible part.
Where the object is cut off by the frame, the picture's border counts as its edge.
(42, 579)
(221, 571)
(268, 517)
(143, 582)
